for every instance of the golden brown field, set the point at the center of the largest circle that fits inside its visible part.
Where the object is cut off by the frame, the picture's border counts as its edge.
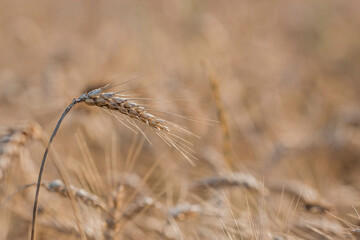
(237, 119)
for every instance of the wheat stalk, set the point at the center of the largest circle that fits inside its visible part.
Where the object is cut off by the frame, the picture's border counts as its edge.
(117, 201)
(221, 113)
(115, 102)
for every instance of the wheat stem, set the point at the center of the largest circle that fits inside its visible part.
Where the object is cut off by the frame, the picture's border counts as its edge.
(38, 184)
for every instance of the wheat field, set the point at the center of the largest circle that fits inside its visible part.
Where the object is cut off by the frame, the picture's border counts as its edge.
(190, 120)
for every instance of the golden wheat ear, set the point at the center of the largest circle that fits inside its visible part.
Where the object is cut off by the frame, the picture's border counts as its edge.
(132, 112)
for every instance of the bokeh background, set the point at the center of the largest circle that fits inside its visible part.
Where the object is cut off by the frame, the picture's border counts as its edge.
(287, 72)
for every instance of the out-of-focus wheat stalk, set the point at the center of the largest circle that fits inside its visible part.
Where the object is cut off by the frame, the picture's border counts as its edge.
(221, 112)
(116, 203)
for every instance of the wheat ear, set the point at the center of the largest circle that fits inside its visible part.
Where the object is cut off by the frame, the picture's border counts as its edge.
(124, 106)
(232, 180)
(307, 195)
(87, 198)
(113, 102)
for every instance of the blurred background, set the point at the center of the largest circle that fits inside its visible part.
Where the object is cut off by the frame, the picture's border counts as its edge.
(287, 74)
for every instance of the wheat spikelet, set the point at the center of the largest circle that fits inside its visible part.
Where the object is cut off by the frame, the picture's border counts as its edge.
(232, 180)
(12, 144)
(88, 199)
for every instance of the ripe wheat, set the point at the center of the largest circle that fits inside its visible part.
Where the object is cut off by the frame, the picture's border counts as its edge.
(112, 101)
